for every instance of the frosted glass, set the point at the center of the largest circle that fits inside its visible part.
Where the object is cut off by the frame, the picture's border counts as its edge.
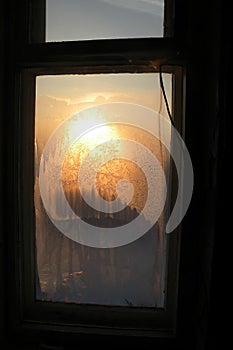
(67, 271)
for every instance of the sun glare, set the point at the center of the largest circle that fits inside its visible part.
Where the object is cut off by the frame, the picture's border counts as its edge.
(97, 136)
(91, 132)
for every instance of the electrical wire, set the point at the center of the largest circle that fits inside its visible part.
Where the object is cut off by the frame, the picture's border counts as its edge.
(164, 95)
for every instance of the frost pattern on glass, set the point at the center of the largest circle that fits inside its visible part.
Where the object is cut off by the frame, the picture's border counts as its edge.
(131, 275)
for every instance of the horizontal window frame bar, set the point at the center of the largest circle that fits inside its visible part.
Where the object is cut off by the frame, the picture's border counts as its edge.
(100, 52)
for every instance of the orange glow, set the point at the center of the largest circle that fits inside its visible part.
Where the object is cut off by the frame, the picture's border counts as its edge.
(96, 136)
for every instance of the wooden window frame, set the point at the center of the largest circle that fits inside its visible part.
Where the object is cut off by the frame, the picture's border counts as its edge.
(99, 56)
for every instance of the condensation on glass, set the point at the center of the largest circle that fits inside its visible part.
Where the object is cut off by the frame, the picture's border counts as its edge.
(130, 275)
(73, 20)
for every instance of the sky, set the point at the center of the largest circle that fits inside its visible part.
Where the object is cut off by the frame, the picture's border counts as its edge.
(60, 96)
(68, 20)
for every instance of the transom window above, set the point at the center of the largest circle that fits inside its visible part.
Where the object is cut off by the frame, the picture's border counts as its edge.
(74, 20)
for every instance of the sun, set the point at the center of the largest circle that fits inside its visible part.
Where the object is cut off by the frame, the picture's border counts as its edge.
(97, 136)
(93, 131)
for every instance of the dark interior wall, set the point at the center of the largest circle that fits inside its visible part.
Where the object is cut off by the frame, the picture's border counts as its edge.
(203, 37)
(206, 226)
(220, 298)
(2, 57)
(208, 107)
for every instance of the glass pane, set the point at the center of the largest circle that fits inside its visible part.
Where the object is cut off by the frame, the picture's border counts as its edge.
(81, 270)
(68, 20)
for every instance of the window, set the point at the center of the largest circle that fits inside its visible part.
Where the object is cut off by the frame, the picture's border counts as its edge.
(88, 20)
(70, 271)
(83, 287)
